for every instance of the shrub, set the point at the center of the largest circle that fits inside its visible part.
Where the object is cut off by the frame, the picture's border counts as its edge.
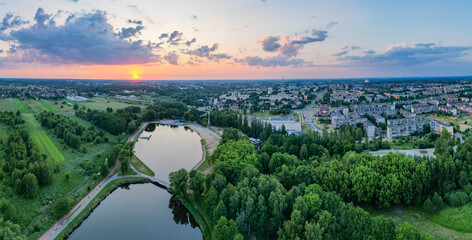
(457, 198)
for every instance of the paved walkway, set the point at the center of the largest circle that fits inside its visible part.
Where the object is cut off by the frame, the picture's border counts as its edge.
(60, 225)
(57, 228)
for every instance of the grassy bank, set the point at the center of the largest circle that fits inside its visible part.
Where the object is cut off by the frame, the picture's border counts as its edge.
(109, 188)
(424, 222)
(195, 208)
(140, 166)
(459, 219)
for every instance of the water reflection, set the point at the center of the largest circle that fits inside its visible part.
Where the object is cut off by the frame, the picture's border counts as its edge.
(181, 214)
(165, 149)
(139, 211)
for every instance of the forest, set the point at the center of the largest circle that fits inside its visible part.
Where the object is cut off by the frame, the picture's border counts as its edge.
(312, 187)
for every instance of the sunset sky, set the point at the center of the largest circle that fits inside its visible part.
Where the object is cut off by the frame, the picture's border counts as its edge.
(234, 39)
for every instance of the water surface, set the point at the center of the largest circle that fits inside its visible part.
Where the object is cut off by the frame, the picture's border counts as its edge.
(168, 149)
(139, 211)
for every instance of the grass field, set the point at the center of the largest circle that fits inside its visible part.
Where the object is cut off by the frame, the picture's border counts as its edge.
(103, 103)
(140, 166)
(45, 106)
(39, 135)
(420, 220)
(455, 120)
(459, 218)
(8, 104)
(30, 211)
(305, 128)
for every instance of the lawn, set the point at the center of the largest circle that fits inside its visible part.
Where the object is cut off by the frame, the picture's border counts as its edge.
(305, 128)
(141, 167)
(459, 218)
(419, 219)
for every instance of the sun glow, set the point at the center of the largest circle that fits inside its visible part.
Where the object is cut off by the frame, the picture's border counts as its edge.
(135, 75)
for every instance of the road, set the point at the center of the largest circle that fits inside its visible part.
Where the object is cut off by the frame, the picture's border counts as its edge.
(307, 113)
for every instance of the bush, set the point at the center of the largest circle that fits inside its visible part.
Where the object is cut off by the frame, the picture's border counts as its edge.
(61, 207)
(457, 198)
(428, 206)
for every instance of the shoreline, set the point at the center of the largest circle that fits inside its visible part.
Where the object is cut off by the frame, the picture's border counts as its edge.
(113, 182)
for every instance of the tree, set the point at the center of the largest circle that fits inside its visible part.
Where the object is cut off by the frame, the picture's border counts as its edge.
(178, 181)
(76, 106)
(7, 210)
(10, 231)
(104, 169)
(197, 182)
(31, 185)
(220, 211)
(303, 152)
(428, 206)
(61, 207)
(407, 232)
(226, 230)
(383, 228)
(67, 175)
(125, 163)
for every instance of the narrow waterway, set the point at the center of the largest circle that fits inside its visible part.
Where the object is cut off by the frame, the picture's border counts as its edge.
(139, 211)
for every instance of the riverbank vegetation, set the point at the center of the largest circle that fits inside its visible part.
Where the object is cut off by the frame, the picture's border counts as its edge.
(140, 166)
(39, 167)
(107, 190)
(311, 187)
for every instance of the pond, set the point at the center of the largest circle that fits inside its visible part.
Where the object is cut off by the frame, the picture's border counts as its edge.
(165, 149)
(146, 211)
(139, 211)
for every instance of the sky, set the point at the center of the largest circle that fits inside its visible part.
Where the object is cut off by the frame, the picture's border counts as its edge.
(234, 39)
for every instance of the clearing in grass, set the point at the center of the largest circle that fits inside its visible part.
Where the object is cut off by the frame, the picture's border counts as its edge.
(40, 137)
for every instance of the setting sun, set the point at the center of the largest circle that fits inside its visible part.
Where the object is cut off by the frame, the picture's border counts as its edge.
(135, 75)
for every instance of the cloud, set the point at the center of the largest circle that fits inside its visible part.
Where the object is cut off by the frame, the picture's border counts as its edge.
(40, 17)
(354, 47)
(270, 43)
(138, 22)
(1, 50)
(203, 51)
(10, 21)
(172, 58)
(163, 35)
(288, 47)
(130, 32)
(207, 52)
(407, 55)
(174, 38)
(83, 39)
(341, 53)
(331, 24)
(190, 42)
(277, 61)
(369, 52)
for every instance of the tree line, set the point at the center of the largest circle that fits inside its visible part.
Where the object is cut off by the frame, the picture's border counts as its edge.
(70, 130)
(307, 186)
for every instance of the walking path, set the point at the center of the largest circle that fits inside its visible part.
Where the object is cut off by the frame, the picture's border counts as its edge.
(57, 228)
(60, 225)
